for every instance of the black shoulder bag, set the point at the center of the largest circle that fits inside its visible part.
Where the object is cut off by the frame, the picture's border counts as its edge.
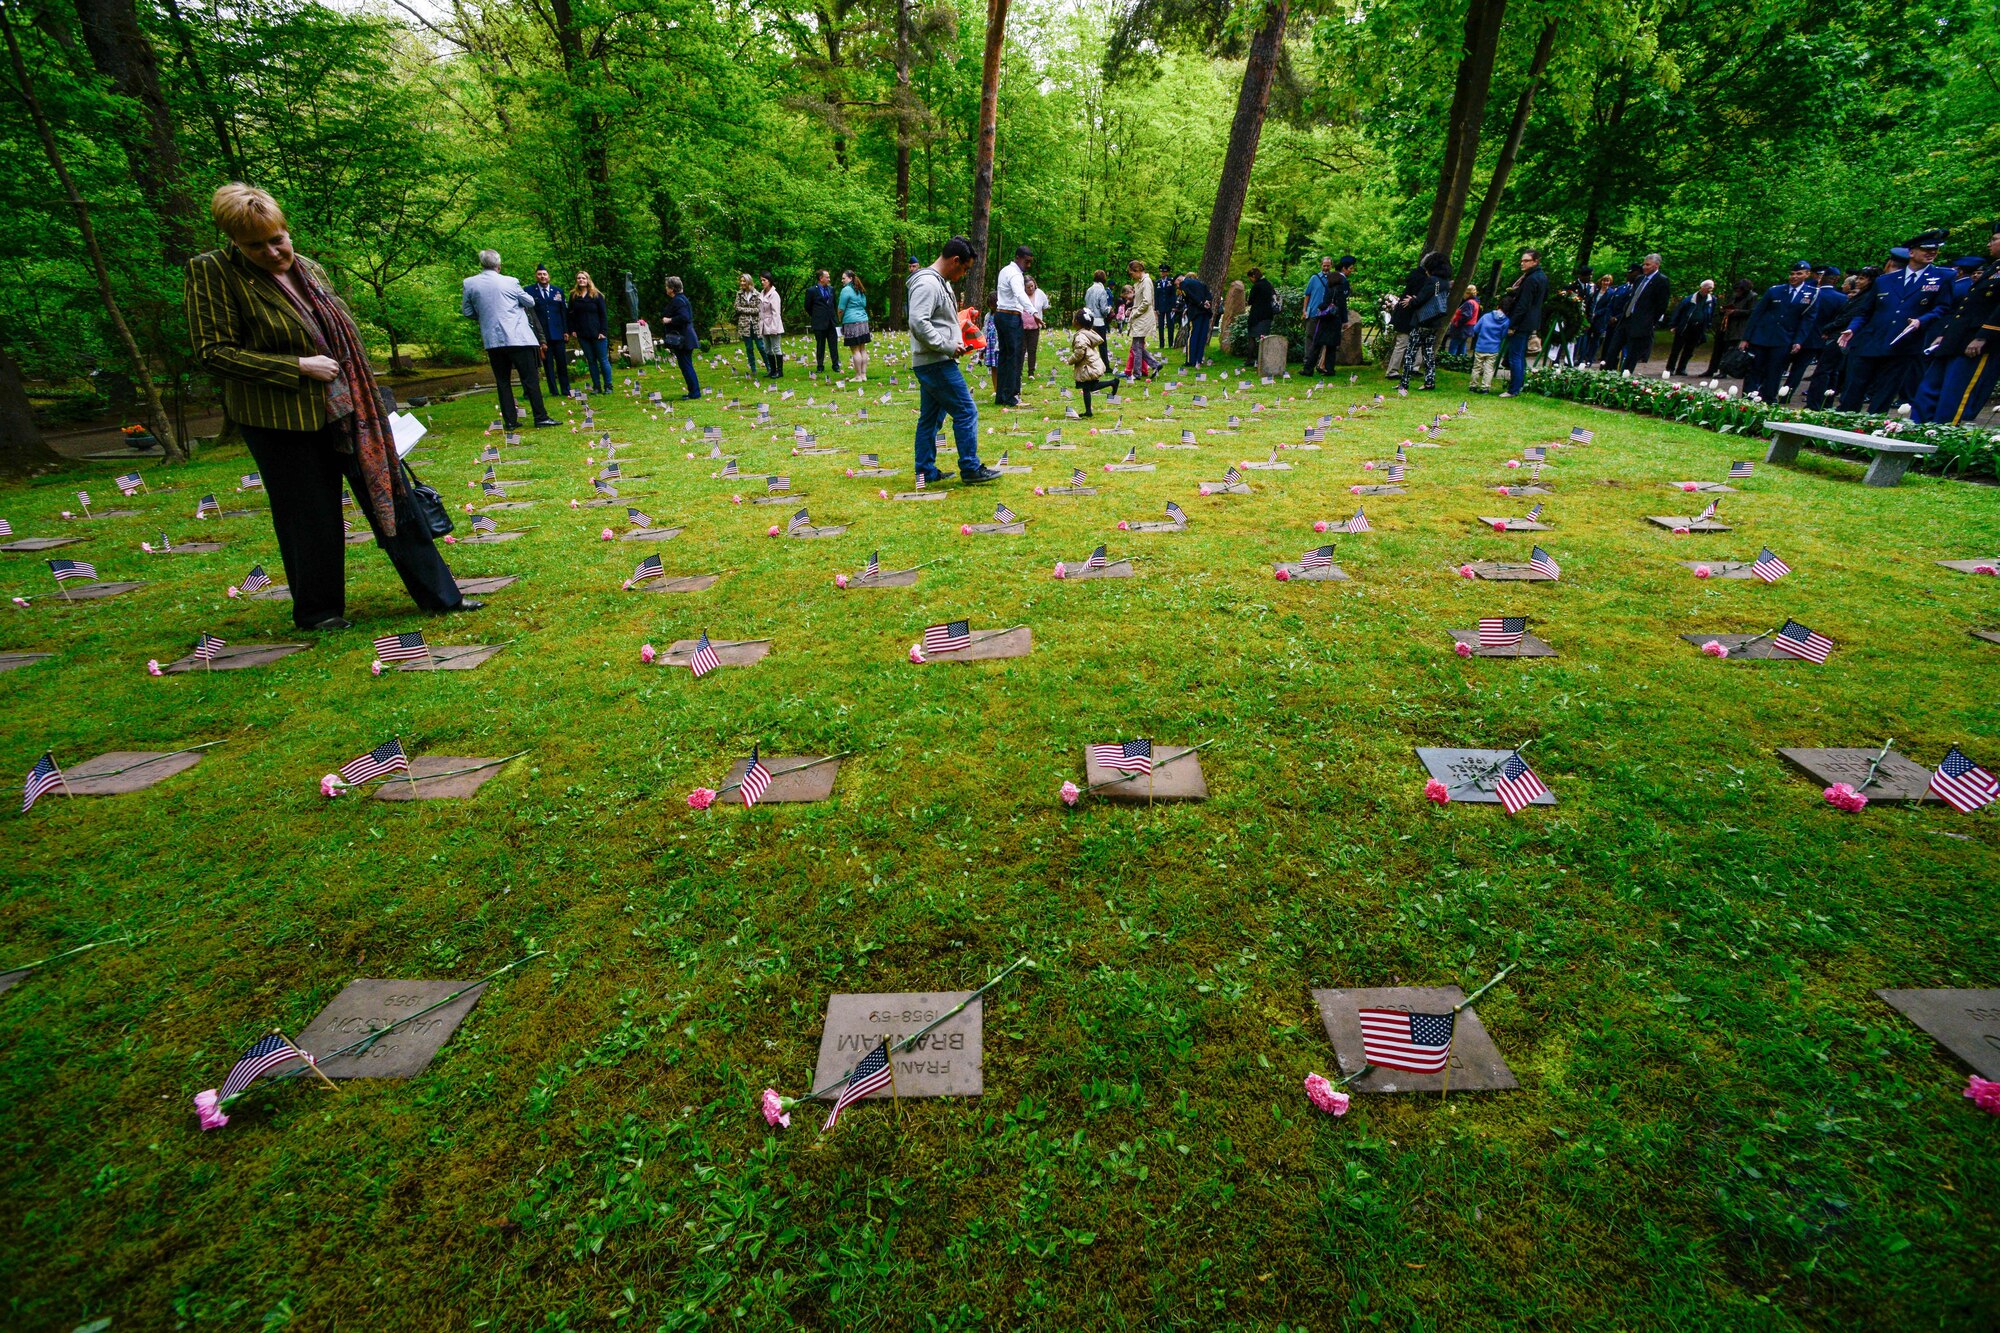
(426, 506)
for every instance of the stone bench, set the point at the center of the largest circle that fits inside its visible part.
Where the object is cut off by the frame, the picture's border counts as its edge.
(1892, 457)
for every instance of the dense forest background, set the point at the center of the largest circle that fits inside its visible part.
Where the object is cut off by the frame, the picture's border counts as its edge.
(707, 137)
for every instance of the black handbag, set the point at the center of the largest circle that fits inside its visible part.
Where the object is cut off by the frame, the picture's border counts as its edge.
(1735, 364)
(426, 506)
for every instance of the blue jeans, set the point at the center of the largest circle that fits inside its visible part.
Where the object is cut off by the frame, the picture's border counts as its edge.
(751, 347)
(1007, 366)
(1515, 357)
(941, 389)
(597, 355)
(1197, 340)
(686, 360)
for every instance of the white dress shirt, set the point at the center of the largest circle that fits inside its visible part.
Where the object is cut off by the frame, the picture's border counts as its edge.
(1013, 290)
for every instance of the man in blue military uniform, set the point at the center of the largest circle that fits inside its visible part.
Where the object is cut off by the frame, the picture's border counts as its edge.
(554, 311)
(1773, 334)
(1821, 326)
(1969, 350)
(1930, 381)
(1888, 328)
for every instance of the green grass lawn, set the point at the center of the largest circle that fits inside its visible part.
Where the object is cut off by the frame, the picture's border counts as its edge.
(1719, 1126)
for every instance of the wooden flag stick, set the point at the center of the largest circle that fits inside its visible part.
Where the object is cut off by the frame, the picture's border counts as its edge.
(311, 1063)
(409, 764)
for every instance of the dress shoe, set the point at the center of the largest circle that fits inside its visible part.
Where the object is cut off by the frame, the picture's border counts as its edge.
(468, 604)
(545, 421)
(979, 474)
(333, 622)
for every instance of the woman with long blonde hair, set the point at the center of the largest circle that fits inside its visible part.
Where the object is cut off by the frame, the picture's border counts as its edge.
(591, 323)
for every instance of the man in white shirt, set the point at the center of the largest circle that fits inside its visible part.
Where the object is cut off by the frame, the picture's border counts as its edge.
(1009, 305)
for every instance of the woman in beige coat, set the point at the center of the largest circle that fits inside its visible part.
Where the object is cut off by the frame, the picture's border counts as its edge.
(748, 312)
(1141, 320)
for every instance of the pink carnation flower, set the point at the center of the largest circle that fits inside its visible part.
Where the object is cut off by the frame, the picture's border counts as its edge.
(1985, 569)
(1500, 525)
(1123, 526)
(1702, 571)
(576, 504)
(1437, 791)
(1040, 491)
(773, 531)
(468, 509)
(606, 535)
(917, 654)
(1204, 489)
(840, 580)
(1365, 467)
(647, 653)
(965, 529)
(1715, 649)
(1069, 793)
(701, 798)
(1985, 1094)
(1062, 571)
(67, 514)
(1320, 525)
(375, 668)
(235, 591)
(1325, 1096)
(1284, 575)
(147, 547)
(1513, 462)
(850, 471)
(1843, 797)
(1354, 490)
(208, 1109)
(152, 666)
(1465, 571)
(1687, 486)
(775, 1112)
(1462, 649)
(331, 786)
(736, 499)
(21, 602)
(1681, 531)
(1499, 490)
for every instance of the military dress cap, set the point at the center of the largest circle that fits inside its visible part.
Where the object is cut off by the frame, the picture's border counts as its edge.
(1930, 240)
(1967, 261)
(1801, 266)
(1901, 252)
(1349, 261)
(1830, 272)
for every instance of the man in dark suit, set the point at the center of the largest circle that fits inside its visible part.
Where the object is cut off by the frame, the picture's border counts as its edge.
(1889, 327)
(1200, 308)
(822, 309)
(1693, 318)
(1645, 306)
(554, 314)
(1329, 318)
(1166, 304)
(1531, 294)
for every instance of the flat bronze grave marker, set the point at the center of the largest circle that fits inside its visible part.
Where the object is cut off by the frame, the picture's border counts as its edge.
(1721, 569)
(1965, 1022)
(479, 587)
(1671, 521)
(430, 785)
(453, 657)
(1971, 566)
(1758, 651)
(40, 543)
(652, 534)
(685, 583)
(1507, 572)
(369, 1004)
(791, 779)
(991, 646)
(1297, 573)
(238, 657)
(14, 661)
(1511, 524)
(988, 529)
(144, 768)
(1475, 1063)
(728, 652)
(91, 592)
(1470, 774)
(1529, 646)
(1897, 778)
(946, 1062)
(1181, 780)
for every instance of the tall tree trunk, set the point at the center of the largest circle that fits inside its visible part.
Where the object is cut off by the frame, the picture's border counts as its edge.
(982, 160)
(156, 413)
(123, 55)
(1504, 164)
(900, 260)
(22, 448)
(1252, 99)
(1593, 215)
(1468, 113)
(230, 160)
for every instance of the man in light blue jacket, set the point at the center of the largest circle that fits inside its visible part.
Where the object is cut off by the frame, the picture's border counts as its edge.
(935, 346)
(511, 330)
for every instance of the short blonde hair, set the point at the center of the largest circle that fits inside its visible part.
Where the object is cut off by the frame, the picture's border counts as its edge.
(244, 212)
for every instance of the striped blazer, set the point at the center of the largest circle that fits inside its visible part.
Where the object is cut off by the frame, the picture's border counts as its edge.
(250, 337)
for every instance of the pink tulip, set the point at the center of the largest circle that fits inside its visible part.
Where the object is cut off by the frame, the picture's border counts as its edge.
(1325, 1096)
(468, 509)
(66, 513)
(736, 499)
(576, 504)
(850, 471)
(208, 1110)
(21, 602)
(450, 540)
(1061, 571)
(1513, 462)
(701, 798)
(147, 547)
(1107, 467)
(1499, 490)
(606, 535)
(1681, 531)
(1069, 793)
(1462, 649)
(1367, 467)
(647, 653)
(1702, 571)
(235, 591)
(1437, 791)
(1040, 491)
(1123, 526)
(840, 580)
(152, 666)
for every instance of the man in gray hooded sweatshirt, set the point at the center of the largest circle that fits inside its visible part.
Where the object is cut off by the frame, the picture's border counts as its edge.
(935, 346)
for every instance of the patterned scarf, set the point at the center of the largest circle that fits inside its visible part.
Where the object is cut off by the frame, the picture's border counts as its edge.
(352, 400)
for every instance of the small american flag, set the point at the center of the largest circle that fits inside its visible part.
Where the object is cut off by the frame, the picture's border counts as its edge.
(83, 498)
(1128, 757)
(875, 460)
(1708, 513)
(802, 519)
(1187, 437)
(484, 523)
(250, 481)
(207, 648)
(207, 505)
(64, 570)
(346, 528)
(489, 475)
(1077, 477)
(408, 646)
(1578, 435)
(948, 638)
(603, 487)
(756, 780)
(1501, 631)
(1795, 640)
(490, 454)
(1535, 514)
(1396, 1039)
(1534, 453)
(385, 758)
(45, 777)
(1359, 523)
(1964, 785)
(491, 491)
(1053, 437)
(129, 483)
(774, 485)
(6, 528)
(1518, 786)
(711, 434)
(1097, 559)
(1320, 557)
(730, 469)
(649, 568)
(612, 470)
(1002, 514)
(873, 569)
(1314, 435)
(1176, 514)
(1401, 457)
(1738, 471)
(165, 545)
(256, 580)
(1544, 564)
(705, 658)
(921, 483)
(638, 519)
(872, 1075)
(1768, 567)
(269, 1052)
(1131, 455)
(1396, 471)
(1231, 477)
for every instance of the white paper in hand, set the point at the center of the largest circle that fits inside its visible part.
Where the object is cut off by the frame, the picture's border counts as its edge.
(407, 430)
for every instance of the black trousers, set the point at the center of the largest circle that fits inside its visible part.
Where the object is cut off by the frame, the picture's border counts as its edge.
(1874, 382)
(1767, 371)
(1685, 341)
(826, 343)
(1031, 348)
(303, 471)
(555, 366)
(521, 361)
(1828, 363)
